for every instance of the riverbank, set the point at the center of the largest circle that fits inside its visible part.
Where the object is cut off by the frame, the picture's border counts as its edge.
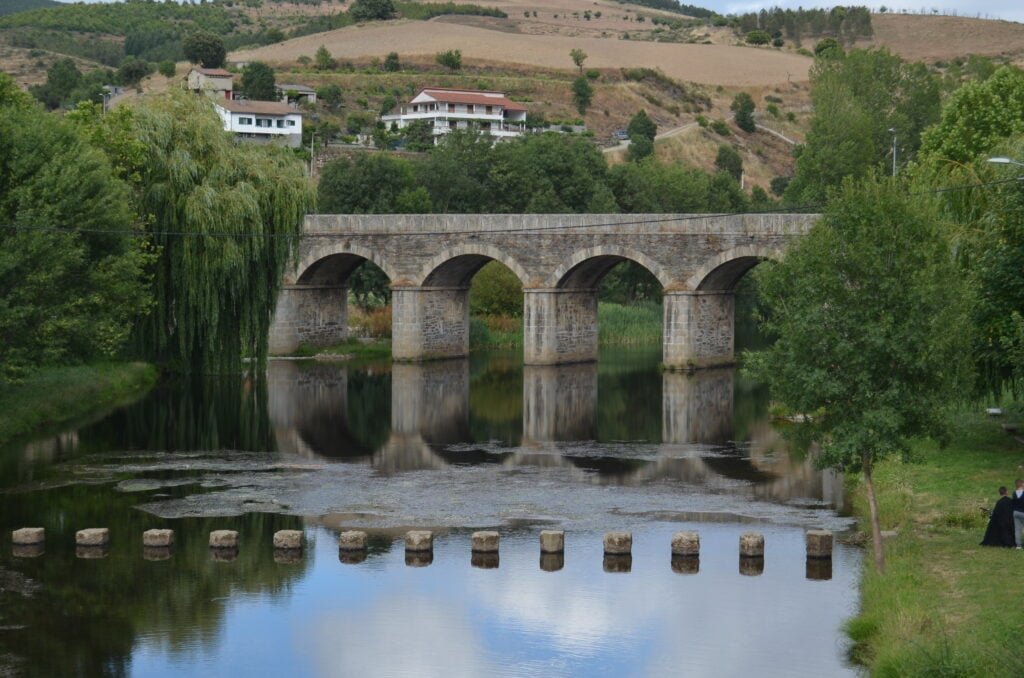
(946, 606)
(54, 395)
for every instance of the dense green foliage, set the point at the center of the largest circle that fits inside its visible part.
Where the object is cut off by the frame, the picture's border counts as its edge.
(582, 94)
(742, 107)
(728, 160)
(15, 6)
(870, 313)
(258, 82)
(496, 291)
(371, 10)
(845, 23)
(858, 98)
(123, 18)
(65, 85)
(450, 59)
(220, 214)
(641, 132)
(204, 48)
(422, 11)
(72, 277)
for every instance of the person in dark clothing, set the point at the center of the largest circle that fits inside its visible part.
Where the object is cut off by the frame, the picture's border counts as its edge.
(1000, 523)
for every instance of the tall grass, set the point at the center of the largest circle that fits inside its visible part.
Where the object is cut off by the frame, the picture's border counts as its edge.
(634, 324)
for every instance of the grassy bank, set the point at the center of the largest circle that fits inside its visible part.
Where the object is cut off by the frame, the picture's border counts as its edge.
(353, 348)
(946, 606)
(55, 395)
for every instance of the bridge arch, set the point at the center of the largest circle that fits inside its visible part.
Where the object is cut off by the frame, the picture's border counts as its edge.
(724, 271)
(586, 267)
(334, 265)
(456, 266)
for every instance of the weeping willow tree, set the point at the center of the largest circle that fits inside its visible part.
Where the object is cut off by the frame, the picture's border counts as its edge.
(224, 217)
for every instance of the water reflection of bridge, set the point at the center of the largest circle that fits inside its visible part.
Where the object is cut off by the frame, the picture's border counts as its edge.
(430, 428)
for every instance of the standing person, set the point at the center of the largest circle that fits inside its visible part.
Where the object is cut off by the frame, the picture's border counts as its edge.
(1018, 511)
(1000, 523)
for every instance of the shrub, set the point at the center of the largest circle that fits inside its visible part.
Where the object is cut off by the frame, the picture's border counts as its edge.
(702, 121)
(773, 110)
(758, 38)
(720, 127)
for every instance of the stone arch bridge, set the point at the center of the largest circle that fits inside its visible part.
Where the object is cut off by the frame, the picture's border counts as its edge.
(560, 260)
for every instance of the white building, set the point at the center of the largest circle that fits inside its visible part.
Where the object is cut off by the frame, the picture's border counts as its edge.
(213, 81)
(448, 109)
(261, 121)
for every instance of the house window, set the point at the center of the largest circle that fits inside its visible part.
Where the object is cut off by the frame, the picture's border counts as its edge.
(469, 108)
(415, 108)
(291, 123)
(451, 108)
(488, 110)
(245, 121)
(264, 122)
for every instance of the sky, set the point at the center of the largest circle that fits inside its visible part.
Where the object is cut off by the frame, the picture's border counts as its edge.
(1010, 10)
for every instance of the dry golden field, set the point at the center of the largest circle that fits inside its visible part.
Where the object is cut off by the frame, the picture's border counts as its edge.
(725, 65)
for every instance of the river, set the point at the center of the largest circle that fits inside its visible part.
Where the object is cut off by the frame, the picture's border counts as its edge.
(450, 446)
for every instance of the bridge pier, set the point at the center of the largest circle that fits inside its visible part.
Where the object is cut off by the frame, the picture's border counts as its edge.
(315, 315)
(699, 329)
(429, 322)
(559, 326)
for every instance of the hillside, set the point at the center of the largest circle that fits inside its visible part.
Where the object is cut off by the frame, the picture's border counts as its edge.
(705, 64)
(15, 6)
(917, 37)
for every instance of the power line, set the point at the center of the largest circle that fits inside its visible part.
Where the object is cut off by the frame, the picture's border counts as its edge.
(801, 209)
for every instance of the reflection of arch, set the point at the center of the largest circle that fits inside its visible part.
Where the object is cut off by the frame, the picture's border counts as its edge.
(456, 266)
(585, 268)
(724, 271)
(334, 268)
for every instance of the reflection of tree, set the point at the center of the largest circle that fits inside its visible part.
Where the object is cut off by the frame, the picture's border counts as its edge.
(200, 413)
(496, 397)
(90, 614)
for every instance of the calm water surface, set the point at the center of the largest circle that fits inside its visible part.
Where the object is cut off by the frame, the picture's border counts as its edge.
(454, 446)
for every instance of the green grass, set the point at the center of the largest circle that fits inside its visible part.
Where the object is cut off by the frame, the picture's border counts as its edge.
(634, 324)
(351, 348)
(945, 606)
(56, 395)
(639, 324)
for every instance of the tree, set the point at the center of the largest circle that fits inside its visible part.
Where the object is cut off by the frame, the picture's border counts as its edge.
(369, 184)
(258, 82)
(132, 70)
(869, 312)
(578, 57)
(641, 132)
(450, 59)
(371, 10)
(323, 58)
(978, 116)
(392, 63)
(828, 48)
(858, 98)
(62, 78)
(743, 111)
(72, 267)
(166, 68)
(419, 135)
(729, 161)
(204, 48)
(330, 95)
(222, 217)
(758, 38)
(582, 94)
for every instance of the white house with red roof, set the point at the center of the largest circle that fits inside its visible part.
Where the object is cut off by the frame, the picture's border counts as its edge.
(449, 109)
(261, 121)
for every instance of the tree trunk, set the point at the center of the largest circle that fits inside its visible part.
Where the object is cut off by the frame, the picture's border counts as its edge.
(876, 528)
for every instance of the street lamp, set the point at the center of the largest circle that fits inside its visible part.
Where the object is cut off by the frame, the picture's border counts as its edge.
(1005, 161)
(892, 131)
